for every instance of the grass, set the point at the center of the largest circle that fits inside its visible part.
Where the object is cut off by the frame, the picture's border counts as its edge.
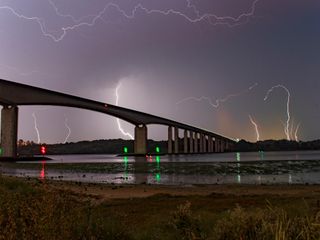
(36, 210)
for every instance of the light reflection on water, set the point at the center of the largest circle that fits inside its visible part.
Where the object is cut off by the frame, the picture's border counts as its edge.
(228, 168)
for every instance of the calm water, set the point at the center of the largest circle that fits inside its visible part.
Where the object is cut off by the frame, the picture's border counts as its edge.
(241, 168)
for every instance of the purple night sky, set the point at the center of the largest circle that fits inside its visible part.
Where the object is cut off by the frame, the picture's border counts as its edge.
(208, 63)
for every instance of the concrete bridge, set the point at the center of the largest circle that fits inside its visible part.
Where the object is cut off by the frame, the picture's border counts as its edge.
(12, 95)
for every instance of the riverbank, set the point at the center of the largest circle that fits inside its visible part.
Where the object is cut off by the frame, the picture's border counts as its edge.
(127, 191)
(74, 210)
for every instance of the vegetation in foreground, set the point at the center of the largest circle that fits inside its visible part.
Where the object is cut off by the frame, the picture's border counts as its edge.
(34, 210)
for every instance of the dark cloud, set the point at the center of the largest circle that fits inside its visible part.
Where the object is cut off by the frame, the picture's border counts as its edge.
(163, 58)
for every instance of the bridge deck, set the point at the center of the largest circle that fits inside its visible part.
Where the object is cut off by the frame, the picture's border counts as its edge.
(15, 94)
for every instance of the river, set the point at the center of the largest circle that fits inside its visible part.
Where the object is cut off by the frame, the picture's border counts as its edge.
(296, 167)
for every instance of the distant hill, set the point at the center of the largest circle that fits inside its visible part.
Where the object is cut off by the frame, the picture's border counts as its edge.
(110, 146)
(276, 145)
(116, 146)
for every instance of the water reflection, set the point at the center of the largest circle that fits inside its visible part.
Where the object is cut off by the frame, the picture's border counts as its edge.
(42, 176)
(125, 170)
(240, 168)
(290, 179)
(154, 169)
(158, 174)
(259, 179)
(238, 155)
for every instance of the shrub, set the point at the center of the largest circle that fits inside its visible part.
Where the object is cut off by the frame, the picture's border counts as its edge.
(185, 223)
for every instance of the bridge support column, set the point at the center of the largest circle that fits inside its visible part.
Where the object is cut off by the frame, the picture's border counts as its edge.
(9, 131)
(213, 142)
(195, 142)
(209, 144)
(190, 142)
(222, 145)
(140, 139)
(176, 140)
(205, 143)
(231, 146)
(185, 141)
(217, 145)
(227, 146)
(169, 140)
(201, 143)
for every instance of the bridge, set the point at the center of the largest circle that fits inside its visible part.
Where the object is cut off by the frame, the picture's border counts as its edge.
(13, 95)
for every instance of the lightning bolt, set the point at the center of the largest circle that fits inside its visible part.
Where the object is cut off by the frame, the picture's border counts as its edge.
(287, 125)
(38, 132)
(291, 130)
(255, 127)
(58, 13)
(118, 120)
(225, 20)
(69, 130)
(218, 102)
(36, 127)
(296, 133)
(210, 18)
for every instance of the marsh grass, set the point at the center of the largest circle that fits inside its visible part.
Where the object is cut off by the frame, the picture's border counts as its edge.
(268, 223)
(34, 210)
(30, 213)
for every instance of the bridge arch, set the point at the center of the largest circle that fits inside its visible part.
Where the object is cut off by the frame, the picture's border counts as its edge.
(14, 94)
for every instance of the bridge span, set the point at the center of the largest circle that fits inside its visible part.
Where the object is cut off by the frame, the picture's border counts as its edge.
(12, 95)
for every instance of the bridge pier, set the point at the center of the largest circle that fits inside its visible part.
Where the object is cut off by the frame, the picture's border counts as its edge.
(196, 142)
(190, 142)
(201, 143)
(213, 144)
(205, 143)
(185, 142)
(140, 139)
(217, 145)
(169, 140)
(209, 144)
(176, 140)
(227, 146)
(9, 131)
(222, 145)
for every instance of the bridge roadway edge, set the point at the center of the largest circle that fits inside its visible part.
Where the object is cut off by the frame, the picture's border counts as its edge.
(14, 94)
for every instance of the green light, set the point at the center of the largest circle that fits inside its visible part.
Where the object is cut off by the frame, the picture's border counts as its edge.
(238, 156)
(0, 151)
(157, 150)
(158, 159)
(125, 149)
(158, 177)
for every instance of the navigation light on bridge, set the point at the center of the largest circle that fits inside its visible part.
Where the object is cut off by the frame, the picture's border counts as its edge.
(125, 149)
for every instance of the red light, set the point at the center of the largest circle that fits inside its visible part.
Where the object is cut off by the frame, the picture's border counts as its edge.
(42, 172)
(43, 150)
